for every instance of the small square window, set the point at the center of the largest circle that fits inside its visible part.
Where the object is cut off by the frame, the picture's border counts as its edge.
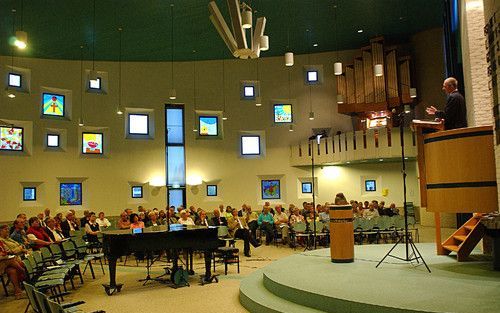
(15, 80)
(53, 140)
(138, 124)
(307, 187)
(95, 84)
(250, 145)
(211, 190)
(249, 91)
(312, 76)
(370, 185)
(136, 191)
(29, 194)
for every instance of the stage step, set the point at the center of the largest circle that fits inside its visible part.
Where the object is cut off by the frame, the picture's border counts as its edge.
(256, 298)
(464, 239)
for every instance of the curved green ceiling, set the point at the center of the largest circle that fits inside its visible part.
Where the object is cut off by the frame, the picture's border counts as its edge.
(57, 28)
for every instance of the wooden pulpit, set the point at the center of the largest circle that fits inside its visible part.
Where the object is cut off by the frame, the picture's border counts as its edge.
(457, 171)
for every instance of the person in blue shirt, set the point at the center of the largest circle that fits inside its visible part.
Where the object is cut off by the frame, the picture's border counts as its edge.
(266, 224)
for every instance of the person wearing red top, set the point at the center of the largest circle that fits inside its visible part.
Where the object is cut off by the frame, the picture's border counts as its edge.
(37, 235)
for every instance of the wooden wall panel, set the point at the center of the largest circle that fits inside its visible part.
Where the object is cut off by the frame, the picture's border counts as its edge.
(360, 81)
(404, 79)
(368, 75)
(391, 78)
(378, 58)
(350, 84)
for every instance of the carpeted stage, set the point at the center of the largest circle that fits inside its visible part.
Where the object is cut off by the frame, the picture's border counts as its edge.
(310, 282)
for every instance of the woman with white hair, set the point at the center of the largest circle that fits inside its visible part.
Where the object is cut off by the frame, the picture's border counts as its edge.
(185, 220)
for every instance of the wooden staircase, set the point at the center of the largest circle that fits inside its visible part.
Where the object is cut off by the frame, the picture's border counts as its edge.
(464, 239)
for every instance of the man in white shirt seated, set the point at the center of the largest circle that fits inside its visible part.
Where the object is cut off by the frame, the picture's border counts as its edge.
(185, 220)
(371, 212)
(54, 234)
(238, 228)
(281, 222)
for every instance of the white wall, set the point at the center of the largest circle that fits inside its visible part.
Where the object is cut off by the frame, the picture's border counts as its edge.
(146, 85)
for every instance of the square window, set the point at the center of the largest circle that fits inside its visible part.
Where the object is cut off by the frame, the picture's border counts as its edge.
(208, 125)
(249, 91)
(136, 191)
(53, 104)
(270, 189)
(52, 140)
(138, 124)
(283, 113)
(307, 187)
(312, 76)
(70, 194)
(370, 185)
(250, 145)
(95, 84)
(211, 190)
(92, 143)
(29, 194)
(15, 80)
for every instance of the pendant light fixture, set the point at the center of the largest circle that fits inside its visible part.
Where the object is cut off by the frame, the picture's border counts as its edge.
(21, 40)
(119, 110)
(288, 55)
(246, 16)
(224, 114)
(264, 43)
(10, 93)
(173, 93)
(378, 70)
(337, 66)
(258, 99)
(93, 72)
(195, 129)
(311, 113)
(80, 119)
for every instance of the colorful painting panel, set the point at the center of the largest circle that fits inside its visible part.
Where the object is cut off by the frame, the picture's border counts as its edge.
(208, 125)
(92, 143)
(270, 189)
(71, 194)
(283, 113)
(11, 138)
(53, 104)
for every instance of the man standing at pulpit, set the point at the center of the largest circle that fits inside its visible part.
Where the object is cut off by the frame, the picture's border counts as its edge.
(455, 111)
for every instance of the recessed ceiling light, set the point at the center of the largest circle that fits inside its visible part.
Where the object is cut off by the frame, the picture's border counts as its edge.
(315, 45)
(360, 30)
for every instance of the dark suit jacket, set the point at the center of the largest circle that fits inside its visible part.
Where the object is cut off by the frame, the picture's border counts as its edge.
(65, 228)
(455, 112)
(215, 221)
(51, 235)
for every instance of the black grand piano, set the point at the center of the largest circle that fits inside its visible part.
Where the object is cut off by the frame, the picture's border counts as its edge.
(117, 243)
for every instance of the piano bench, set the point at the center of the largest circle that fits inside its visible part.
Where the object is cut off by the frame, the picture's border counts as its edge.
(228, 255)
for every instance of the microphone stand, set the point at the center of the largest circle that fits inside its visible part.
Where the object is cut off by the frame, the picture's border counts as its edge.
(406, 236)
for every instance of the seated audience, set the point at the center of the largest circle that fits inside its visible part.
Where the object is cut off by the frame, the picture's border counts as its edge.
(135, 222)
(124, 221)
(192, 213)
(202, 219)
(391, 210)
(238, 228)
(251, 219)
(229, 212)
(218, 220)
(102, 221)
(296, 217)
(162, 217)
(58, 219)
(23, 217)
(381, 208)
(37, 235)
(371, 212)
(19, 233)
(324, 214)
(171, 215)
(152, 220)
(14, 269)
(12, 246)
(85, 219)
(185, 219)
(281, 223)
(51, 230)
(266, 224)
(92, 228)
(69, 224)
